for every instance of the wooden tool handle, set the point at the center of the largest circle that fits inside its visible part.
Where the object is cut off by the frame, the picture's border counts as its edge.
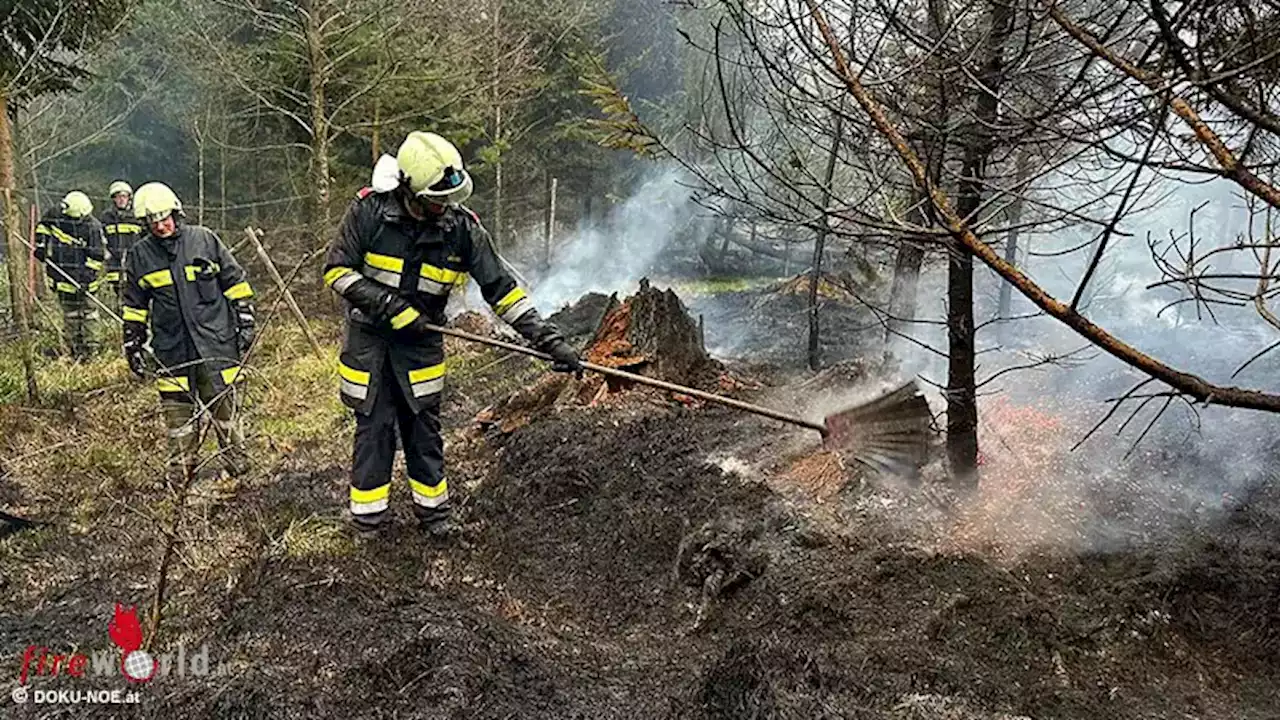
(641, 379)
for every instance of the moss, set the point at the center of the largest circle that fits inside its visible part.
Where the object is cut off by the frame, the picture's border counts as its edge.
(718, 285)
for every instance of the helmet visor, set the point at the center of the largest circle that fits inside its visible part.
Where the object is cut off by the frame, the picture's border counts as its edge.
(453, 179)
(452, 189)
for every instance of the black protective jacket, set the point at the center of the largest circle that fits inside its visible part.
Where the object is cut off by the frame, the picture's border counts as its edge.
(121, 230)
(75, 246)
(392, 269)
(194, 297)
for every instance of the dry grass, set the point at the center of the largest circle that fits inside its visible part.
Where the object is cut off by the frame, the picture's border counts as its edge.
(315, 536)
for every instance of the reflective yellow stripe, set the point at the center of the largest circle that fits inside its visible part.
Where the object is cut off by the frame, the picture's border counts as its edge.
(385, 262)
(65, 287)
(359, 377)
(239, 291)
(231, 375)
(112, 275)
(58, 233)
(427, 496)
(404, 317)
(126, 228)
(332, 276)
(93, 264)
(110, 230)
(65, 238)
(426, 373)
(440, 275)
(426, 490)
(157, 279)
(176, 384)
(508, 300)
(132, 314)
(368, 496)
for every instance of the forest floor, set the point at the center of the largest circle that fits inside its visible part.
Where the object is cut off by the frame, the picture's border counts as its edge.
(637, 558)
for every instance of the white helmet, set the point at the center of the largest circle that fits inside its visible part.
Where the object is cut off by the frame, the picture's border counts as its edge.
(76, 205)
(432, 168)
(155, 202)
(118, 187)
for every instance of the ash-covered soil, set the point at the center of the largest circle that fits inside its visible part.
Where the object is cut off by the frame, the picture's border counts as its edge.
(642, 559)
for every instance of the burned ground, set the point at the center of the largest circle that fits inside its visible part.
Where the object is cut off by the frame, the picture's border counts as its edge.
(638, 558)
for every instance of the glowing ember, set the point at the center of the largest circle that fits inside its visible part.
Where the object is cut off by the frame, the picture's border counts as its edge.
(1024, 499)
(820, 475)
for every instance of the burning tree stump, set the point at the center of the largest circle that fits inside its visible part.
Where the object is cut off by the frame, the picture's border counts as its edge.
(651, 333)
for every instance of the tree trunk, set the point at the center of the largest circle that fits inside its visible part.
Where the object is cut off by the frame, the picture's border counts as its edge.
(724, 242)
(499, 220)
(375, 141)
(35, 284)
(1003, 307)
(15, 251)
(550, 221)
(910, 256)
(962, 403)
(907, 264)
(222, 176)
(318, 62)
(820, 244)
(199, 174)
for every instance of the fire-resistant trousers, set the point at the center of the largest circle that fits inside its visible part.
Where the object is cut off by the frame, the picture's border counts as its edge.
(375, 449)
(184, 424)
(79, 318)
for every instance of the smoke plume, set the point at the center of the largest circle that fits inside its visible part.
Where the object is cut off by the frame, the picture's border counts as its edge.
(615, 254)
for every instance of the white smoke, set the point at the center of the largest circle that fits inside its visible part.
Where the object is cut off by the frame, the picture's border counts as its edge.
(617, 253)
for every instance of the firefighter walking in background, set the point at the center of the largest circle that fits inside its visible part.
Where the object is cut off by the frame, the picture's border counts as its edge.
(69, 242)
(403, 244)
(182, 284)
(121, 230)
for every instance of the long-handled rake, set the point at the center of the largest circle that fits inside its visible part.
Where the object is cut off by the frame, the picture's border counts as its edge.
(889, 433)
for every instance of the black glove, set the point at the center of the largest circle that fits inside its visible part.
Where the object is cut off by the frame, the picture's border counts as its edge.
(133, 353)
(246, 329)
(564, 357)
(135, 337)
(418, 327)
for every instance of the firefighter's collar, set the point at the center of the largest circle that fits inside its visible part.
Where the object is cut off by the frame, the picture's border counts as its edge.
(396, 212)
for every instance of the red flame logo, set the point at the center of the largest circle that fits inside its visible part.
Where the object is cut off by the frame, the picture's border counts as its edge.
(125, 630)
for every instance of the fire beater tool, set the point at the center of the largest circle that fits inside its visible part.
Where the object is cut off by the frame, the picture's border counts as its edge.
(889, 433)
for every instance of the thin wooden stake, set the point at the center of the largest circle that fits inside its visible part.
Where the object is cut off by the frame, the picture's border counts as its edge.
(551, 221)
(284, 289)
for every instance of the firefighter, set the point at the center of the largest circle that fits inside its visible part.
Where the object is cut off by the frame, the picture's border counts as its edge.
(402, 246)
(121, 230)
(69, 242)
(182, 284)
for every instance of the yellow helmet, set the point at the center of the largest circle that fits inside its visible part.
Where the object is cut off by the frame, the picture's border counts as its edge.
(154, 202)
(432, 167)
(118, 187)
(76, 205)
